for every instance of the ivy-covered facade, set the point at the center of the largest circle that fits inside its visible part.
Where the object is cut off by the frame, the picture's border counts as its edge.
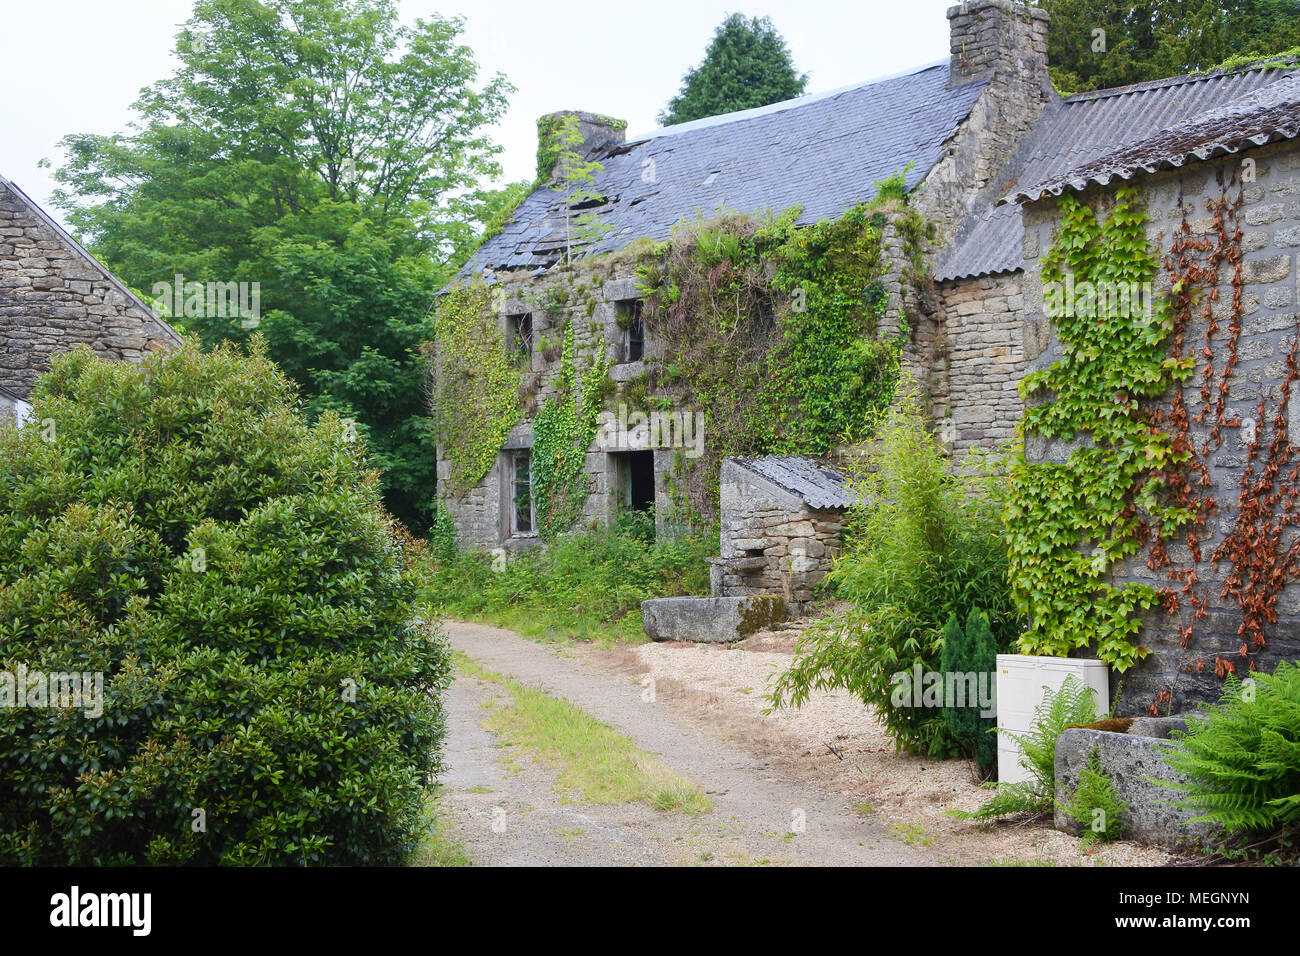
(776, 271)
(747, 284)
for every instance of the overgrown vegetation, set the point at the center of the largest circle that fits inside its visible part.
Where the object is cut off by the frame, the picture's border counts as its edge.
(926, 544)
(1095, 806)
(1240, 759)
(770, 330)
(563, 430)
(588, 584)
(271, 681)
(474, 388)
(1073, 703)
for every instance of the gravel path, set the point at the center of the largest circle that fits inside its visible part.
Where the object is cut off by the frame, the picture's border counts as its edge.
(755, 804)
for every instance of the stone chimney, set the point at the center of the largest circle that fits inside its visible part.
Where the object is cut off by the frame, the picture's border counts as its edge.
(998, 38)
(598, 132)
(1003, 44)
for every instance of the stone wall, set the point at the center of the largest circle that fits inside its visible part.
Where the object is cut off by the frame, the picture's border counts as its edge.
(590, 305)
(10, 406)
(1270, 219)
(54, 295)
(979, 362)
(771, 541)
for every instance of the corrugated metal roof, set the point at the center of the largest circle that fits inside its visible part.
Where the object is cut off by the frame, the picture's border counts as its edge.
(824, 152)
(815, 482)
(1259, 117)
(1075, 132)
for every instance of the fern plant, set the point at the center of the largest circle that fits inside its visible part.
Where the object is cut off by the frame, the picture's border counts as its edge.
(1072, 703)
(1240, 760)
(1095, 805)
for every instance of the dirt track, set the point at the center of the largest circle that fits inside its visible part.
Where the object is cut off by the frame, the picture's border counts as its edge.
(517, 818)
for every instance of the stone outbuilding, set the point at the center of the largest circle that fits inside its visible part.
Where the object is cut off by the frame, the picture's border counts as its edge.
(782, 526)
(54, 295)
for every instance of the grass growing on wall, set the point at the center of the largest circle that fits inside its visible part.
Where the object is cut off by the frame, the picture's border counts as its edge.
(588, 585)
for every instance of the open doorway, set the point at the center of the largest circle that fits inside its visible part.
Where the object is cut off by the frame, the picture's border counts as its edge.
(635, 471)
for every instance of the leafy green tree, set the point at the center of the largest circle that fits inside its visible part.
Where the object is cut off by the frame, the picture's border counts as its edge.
(264, 680)
(1157, 38)
(747, 64)
(329, 153)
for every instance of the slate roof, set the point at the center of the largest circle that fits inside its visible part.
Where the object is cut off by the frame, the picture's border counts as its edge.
(819, 485)
(825, 152)
(1083, 130)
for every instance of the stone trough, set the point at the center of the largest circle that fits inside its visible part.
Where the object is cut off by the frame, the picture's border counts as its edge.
(710, 620)
(1133, 761)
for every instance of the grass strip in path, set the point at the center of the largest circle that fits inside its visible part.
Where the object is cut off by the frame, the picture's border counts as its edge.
(590, 758)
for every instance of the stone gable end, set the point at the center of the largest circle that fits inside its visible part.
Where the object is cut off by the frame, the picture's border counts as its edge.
(54, 295)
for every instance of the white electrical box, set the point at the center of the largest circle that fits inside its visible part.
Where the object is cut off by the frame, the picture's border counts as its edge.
(1021, 681)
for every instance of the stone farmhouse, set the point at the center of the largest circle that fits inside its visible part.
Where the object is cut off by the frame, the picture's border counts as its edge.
(989, 148)
(54, 295)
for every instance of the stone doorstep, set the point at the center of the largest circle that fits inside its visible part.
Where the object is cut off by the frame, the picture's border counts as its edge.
(1133, 763)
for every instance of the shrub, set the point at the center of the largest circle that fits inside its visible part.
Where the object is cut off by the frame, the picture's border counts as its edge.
(588, 584)
(1095, 805)
(970, 651)
(1073, 703)
(1241, 757)
(926, 543)
(270, 691)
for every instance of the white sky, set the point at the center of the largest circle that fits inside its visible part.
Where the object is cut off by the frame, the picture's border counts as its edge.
(74, 66)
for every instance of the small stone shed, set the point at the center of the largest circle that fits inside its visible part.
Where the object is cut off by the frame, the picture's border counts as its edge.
(782, 525)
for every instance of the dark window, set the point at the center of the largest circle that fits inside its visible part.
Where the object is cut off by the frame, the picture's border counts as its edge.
(519, 339)
(629, 317)
(521, 500)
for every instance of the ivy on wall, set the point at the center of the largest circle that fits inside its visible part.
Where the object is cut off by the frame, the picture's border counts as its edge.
(770, 330)
(1261, 554)
(1070, 522)
(563, 430)
(475, 389)
(1142, 475)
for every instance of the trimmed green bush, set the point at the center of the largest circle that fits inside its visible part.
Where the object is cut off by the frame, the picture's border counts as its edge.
(271, 689)
(970, 651)
(1241, 757)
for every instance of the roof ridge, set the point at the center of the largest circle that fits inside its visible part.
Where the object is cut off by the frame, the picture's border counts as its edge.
(781, 106)
(1254, 66)
(46, 219)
